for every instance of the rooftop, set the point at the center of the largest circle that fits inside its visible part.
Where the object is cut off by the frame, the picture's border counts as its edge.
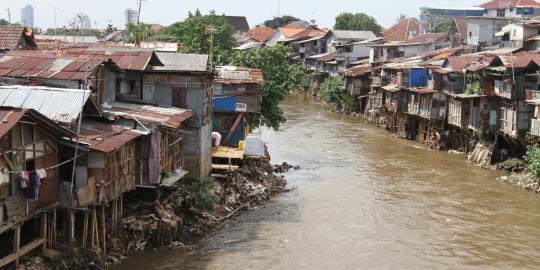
(105, 136)
(238, 75)
(503, 4)
(161, 116)
(183, 62)
(10, 37)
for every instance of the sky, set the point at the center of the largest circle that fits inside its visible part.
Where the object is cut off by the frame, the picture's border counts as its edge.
(166, 12)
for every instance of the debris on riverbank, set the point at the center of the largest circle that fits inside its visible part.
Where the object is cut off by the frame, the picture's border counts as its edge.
(521, 180)
(173, 217)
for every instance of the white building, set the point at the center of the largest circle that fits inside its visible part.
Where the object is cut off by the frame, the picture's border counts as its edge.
(511, 8)
(27, 16)
(86, 23)
(482, 31)
(131, 16)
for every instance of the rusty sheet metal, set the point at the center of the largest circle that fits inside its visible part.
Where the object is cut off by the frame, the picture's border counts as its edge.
(16, 207)
(424, 91)
(520, 60)
(126, 58)
(359, 70)
(28, 65)
(238, 75)
(168, 117)
(106, 137)
(9, 118)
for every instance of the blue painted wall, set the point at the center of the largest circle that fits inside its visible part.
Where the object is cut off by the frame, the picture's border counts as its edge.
(418, 77)
(238, 134)
(224, 104)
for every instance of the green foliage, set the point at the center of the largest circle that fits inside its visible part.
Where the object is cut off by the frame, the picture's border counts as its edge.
(191, 34)
(278, 22)
(204, 198)
(532, 161)
(4, 22)
(279, 75)
(330, 90)
(441, 26)
(110, 28)
(357, 21)
(473, 87)
(145, 32)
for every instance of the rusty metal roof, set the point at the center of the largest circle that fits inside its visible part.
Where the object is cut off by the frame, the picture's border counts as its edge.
(520, 60)
(104, 136)
(238, 75)
(126, 58)
(167, 117)
(33, 65)
(58, 104)
(359, 70)
(9, 117)
(503, 4)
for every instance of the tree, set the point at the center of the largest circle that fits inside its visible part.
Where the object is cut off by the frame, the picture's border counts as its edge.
(193, 36)
(357, 21)
(280, 77)
(110, 28)
(145, 32)
(278, 22)
(441, 26)
(4, 22)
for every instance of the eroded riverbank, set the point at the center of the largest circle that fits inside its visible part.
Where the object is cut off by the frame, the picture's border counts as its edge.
(367, 200)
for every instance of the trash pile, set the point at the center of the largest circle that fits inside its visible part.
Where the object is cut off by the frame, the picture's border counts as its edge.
(33, 263)
(285, 167)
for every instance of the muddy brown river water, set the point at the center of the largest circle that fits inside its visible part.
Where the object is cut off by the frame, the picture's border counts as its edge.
(366, 200)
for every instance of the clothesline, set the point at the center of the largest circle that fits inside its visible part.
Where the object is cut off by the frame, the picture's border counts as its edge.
(52, 167)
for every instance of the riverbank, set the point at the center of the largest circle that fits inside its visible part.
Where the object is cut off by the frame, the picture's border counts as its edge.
(175, 217)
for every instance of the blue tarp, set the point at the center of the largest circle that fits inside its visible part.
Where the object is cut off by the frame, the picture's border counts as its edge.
(418, 77)
(224, 104)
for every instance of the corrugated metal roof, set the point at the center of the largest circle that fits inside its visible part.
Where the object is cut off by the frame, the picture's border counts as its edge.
(9, 117)
(168, 117)
(238, 75)
(126, 58)
(28, 65)
(59, 105)
(353, 35)
(359, 70)
(105, 137)
(10, 37)
(182, 62)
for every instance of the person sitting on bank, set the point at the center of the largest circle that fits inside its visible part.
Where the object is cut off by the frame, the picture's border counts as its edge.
(216, 138)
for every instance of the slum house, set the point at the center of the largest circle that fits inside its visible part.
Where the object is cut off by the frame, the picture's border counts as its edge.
(323, 64)
(358, 84)
(414, 46)
(349, 54)
(457, 33)
(283, 35)
(255, 38)
(61, 107)
(511, 8)
(522, 34)
(16, 38)
(106, 168)
(237, 97)
(402, 31)
(308, 42)
(184, 81)
(482, 32)
(29, 183)
(510, 76)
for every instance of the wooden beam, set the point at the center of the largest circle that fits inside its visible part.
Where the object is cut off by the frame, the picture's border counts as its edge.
(23, 251)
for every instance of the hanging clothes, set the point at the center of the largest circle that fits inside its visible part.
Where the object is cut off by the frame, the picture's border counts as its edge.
(42, 173)
(4, 176)
(37, 185)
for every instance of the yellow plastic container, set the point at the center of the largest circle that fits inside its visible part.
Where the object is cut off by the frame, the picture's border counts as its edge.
(241, 145)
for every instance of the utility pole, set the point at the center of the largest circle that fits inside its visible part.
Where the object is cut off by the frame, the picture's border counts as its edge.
(55, 9)
(278, 7)
(137, 40)
(210, 29)
(9, 15)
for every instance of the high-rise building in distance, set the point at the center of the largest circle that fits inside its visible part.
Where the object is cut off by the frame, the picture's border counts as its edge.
(27, 16)
(131, 16)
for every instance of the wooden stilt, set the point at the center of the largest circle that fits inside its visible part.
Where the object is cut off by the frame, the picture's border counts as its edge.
(85, 229)
(54, 228)
(104, 230)
(71, 229)
(43, 230)
(95, 231)
(17, 244)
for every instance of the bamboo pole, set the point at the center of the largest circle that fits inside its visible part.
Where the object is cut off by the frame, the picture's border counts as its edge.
(104, 230)
(85, 229)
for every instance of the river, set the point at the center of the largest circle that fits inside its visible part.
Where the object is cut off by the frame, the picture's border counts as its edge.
(367, 200)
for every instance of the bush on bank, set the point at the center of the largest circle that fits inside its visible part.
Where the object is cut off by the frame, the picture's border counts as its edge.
(532, 161)
(331, 91)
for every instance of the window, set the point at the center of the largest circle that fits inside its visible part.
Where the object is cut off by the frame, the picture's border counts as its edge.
(225, 124)
(500, 12)
(127, 88)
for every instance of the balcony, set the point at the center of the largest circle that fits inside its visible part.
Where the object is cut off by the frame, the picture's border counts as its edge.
(532, 94)
(535, 127)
